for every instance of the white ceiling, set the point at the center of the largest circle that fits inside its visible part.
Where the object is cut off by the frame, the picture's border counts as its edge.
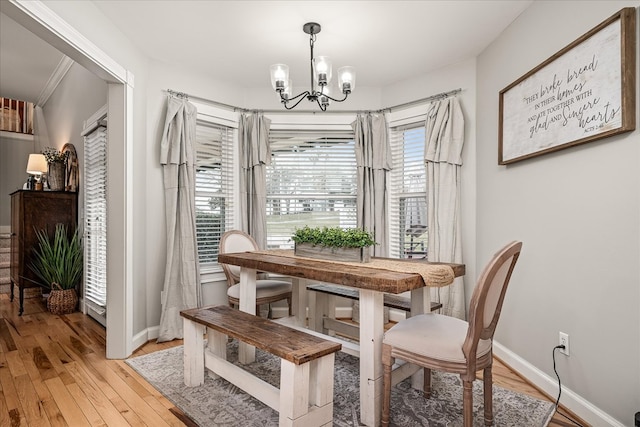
(237, 41)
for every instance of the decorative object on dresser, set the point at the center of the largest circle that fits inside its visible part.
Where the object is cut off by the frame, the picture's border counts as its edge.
(57, 161)
(72, 176)
(36, 165)
(334, 244)
(31, 211)
(58, 264)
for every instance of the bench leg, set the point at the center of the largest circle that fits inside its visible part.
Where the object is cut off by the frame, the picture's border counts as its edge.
(217, 345)
(294, 392)
(321, 392)
(321, 306)
(193, 353)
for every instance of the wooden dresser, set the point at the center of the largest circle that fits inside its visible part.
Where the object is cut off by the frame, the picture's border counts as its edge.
(30, 211)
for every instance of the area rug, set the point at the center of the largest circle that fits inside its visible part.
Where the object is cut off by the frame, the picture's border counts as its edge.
(219, 403)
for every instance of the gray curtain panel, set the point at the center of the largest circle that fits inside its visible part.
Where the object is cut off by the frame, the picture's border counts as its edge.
(177, 157)
(255, 156)
(373, 160)
(444, 130)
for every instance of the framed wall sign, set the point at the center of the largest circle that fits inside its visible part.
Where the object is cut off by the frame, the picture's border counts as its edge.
(585, 92)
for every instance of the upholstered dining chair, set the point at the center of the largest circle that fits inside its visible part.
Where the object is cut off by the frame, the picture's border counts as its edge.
(267, 290)
(443, 343)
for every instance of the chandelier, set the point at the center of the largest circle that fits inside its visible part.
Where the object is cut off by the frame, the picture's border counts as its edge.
(320, 78)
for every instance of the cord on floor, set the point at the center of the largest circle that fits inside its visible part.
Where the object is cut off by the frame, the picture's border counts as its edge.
(553, 355)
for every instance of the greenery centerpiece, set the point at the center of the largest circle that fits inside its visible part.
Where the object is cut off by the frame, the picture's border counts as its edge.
(58, 264)
(333, 243)
(57, 161)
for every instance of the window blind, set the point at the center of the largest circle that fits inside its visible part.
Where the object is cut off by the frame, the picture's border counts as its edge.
(95, 222)
(408, 197)
(311, 181)
(214, 189)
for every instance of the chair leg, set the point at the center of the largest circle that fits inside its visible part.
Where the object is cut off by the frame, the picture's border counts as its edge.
(488, 395)
(467, 402)
(387, 363)
(426, 390)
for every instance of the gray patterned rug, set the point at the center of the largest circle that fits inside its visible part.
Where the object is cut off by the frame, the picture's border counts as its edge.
(218, 403)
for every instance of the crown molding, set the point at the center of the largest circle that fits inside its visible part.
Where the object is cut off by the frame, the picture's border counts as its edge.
(54, 80)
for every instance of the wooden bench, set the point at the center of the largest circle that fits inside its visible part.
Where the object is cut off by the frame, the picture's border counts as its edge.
(305, 396)
(322, 311)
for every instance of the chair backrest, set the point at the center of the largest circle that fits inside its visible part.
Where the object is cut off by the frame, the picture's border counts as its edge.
(235, 241)
(488, 295)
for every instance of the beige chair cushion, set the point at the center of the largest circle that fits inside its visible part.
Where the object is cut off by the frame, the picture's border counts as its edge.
(434, 336)
(264, 289)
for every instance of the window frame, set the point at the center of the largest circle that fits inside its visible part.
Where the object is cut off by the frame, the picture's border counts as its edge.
(328, 125)
(401, 121)
(209, 115)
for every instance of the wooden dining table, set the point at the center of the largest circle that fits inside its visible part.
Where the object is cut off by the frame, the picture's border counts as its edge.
(371, 281)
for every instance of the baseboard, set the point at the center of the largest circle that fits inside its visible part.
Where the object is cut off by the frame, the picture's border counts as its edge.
(5, 229)
(571, 400)
(142, 337)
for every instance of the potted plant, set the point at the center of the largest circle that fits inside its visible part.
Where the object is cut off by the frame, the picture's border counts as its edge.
(57, 162)
(333, 243)
(58, 263)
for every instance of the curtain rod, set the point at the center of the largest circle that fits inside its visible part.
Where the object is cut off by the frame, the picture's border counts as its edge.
(437, 96)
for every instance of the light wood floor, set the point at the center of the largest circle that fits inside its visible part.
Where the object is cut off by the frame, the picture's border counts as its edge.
(53, 372)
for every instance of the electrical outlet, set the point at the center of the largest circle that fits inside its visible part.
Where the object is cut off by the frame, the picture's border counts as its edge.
(563, 339)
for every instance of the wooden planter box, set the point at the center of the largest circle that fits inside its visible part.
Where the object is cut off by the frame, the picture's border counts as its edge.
(333, 254)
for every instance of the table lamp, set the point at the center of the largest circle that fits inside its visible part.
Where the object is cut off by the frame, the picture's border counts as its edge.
(37, 165)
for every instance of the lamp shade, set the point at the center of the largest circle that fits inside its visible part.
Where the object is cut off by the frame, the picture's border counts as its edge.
(37, 164)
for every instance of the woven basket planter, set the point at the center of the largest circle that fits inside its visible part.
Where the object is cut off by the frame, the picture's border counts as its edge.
(62, 301)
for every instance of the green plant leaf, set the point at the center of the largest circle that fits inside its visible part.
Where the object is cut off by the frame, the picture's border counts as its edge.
(58, 261)
(336, 237)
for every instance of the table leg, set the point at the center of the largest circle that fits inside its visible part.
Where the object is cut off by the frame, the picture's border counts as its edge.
(371, 332)
(246, 352)
(299, 301)
(420, 304)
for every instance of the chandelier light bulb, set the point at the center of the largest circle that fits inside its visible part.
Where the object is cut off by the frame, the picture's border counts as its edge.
(279, 76)
(347, 79)
(322, 65)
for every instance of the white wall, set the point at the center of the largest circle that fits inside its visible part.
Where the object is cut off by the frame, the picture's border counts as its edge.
(77, 97)
(577, 212)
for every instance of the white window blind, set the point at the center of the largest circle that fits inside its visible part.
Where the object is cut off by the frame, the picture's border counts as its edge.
(311, 181)
(95, 222)
(408, 197)
(214, 189)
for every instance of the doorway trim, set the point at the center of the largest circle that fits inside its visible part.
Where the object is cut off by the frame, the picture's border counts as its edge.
(43, 22)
